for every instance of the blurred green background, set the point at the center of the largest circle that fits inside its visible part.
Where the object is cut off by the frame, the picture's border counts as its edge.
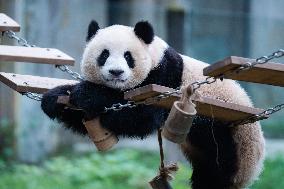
(36, 153)
(120, 169)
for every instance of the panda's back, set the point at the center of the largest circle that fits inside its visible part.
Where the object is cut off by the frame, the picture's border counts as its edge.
(226, 90)
(248, 139)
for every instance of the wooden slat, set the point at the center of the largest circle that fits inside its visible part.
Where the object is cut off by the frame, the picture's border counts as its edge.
(7, 23)
(269, 73)
(35, 84)
(205, 106)
(34, 55)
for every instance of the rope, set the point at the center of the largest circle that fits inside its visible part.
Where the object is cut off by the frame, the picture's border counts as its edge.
(165, 172)
(162, 157)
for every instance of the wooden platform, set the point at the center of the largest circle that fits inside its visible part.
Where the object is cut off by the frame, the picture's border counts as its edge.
(34, 55)
(269, 73)
(205, 106)
(35, 84)
(7, 23)
(224, 111)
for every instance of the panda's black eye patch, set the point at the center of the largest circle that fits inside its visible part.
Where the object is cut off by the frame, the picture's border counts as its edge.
(129, 59)
(103, 57)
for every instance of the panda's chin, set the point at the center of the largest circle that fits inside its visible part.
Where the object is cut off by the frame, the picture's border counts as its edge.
(116, 83)
(116, 80)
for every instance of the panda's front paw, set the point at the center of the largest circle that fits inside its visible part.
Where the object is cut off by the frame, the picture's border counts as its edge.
(49, 101)
(93, 98)
(87, 96)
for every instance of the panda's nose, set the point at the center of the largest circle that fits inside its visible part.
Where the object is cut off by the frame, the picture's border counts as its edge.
(116, 72)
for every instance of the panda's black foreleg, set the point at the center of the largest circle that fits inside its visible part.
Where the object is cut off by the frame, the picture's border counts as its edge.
(136, 122)
(131, 122)
(72, 119)
(212, 153)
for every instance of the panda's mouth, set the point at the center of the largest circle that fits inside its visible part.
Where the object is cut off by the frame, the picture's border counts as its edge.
(115, 80)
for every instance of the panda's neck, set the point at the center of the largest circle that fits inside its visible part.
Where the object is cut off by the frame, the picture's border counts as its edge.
(168, 72)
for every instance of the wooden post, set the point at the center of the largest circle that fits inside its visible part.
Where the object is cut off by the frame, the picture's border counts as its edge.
(175, 27)
(7, 99)
(119, 12)
(175, 37)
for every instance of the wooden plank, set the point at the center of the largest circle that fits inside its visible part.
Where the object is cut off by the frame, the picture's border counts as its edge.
(7, 23)
(205, 106)
(35, 84)
(268, 73)
(34, 55)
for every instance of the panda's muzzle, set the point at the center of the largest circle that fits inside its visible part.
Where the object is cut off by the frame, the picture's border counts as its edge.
(116, 73)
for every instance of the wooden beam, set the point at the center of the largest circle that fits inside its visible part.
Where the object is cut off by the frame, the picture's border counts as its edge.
(35, 84)
(268, 73)
(34, 55)
(205, 106)
(7, 23)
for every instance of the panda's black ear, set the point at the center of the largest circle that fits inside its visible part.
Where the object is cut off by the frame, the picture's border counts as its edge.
(92, 29)
(144, 31)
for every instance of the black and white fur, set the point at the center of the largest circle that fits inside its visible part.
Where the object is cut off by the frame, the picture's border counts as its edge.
(120, 58)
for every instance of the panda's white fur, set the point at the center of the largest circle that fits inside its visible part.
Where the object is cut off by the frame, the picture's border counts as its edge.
(117, 39)
(248, 138)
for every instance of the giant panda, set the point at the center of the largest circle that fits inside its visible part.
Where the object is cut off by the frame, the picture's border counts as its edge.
(120, 58)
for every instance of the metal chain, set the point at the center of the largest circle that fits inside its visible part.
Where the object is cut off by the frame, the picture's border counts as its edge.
(32, 96)
(119, 106)
(65, 69)
(208, 80)
(23, 42)
(261, 60)
(158, 98)
(263, 115)
(148, 101)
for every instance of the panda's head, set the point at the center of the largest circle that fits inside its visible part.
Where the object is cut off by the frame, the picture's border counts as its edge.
(118, 56)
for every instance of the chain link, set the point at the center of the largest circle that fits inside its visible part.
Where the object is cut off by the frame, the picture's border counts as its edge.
(263, 115)
(261, 60)
(196, 85)
(65, 69)
(148, 101)
(273, 110)
(23, 42)
(32, 96)
(119, 106)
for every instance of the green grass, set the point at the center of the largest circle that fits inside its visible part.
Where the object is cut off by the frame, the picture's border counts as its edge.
(121, 169)
(272, 176)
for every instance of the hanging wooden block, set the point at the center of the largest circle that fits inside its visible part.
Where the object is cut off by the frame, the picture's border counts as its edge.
(268, 73)
(34, 55)
(180, 118)
(205, 106)
(35, 84)
(7, 23)
(102, 138)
